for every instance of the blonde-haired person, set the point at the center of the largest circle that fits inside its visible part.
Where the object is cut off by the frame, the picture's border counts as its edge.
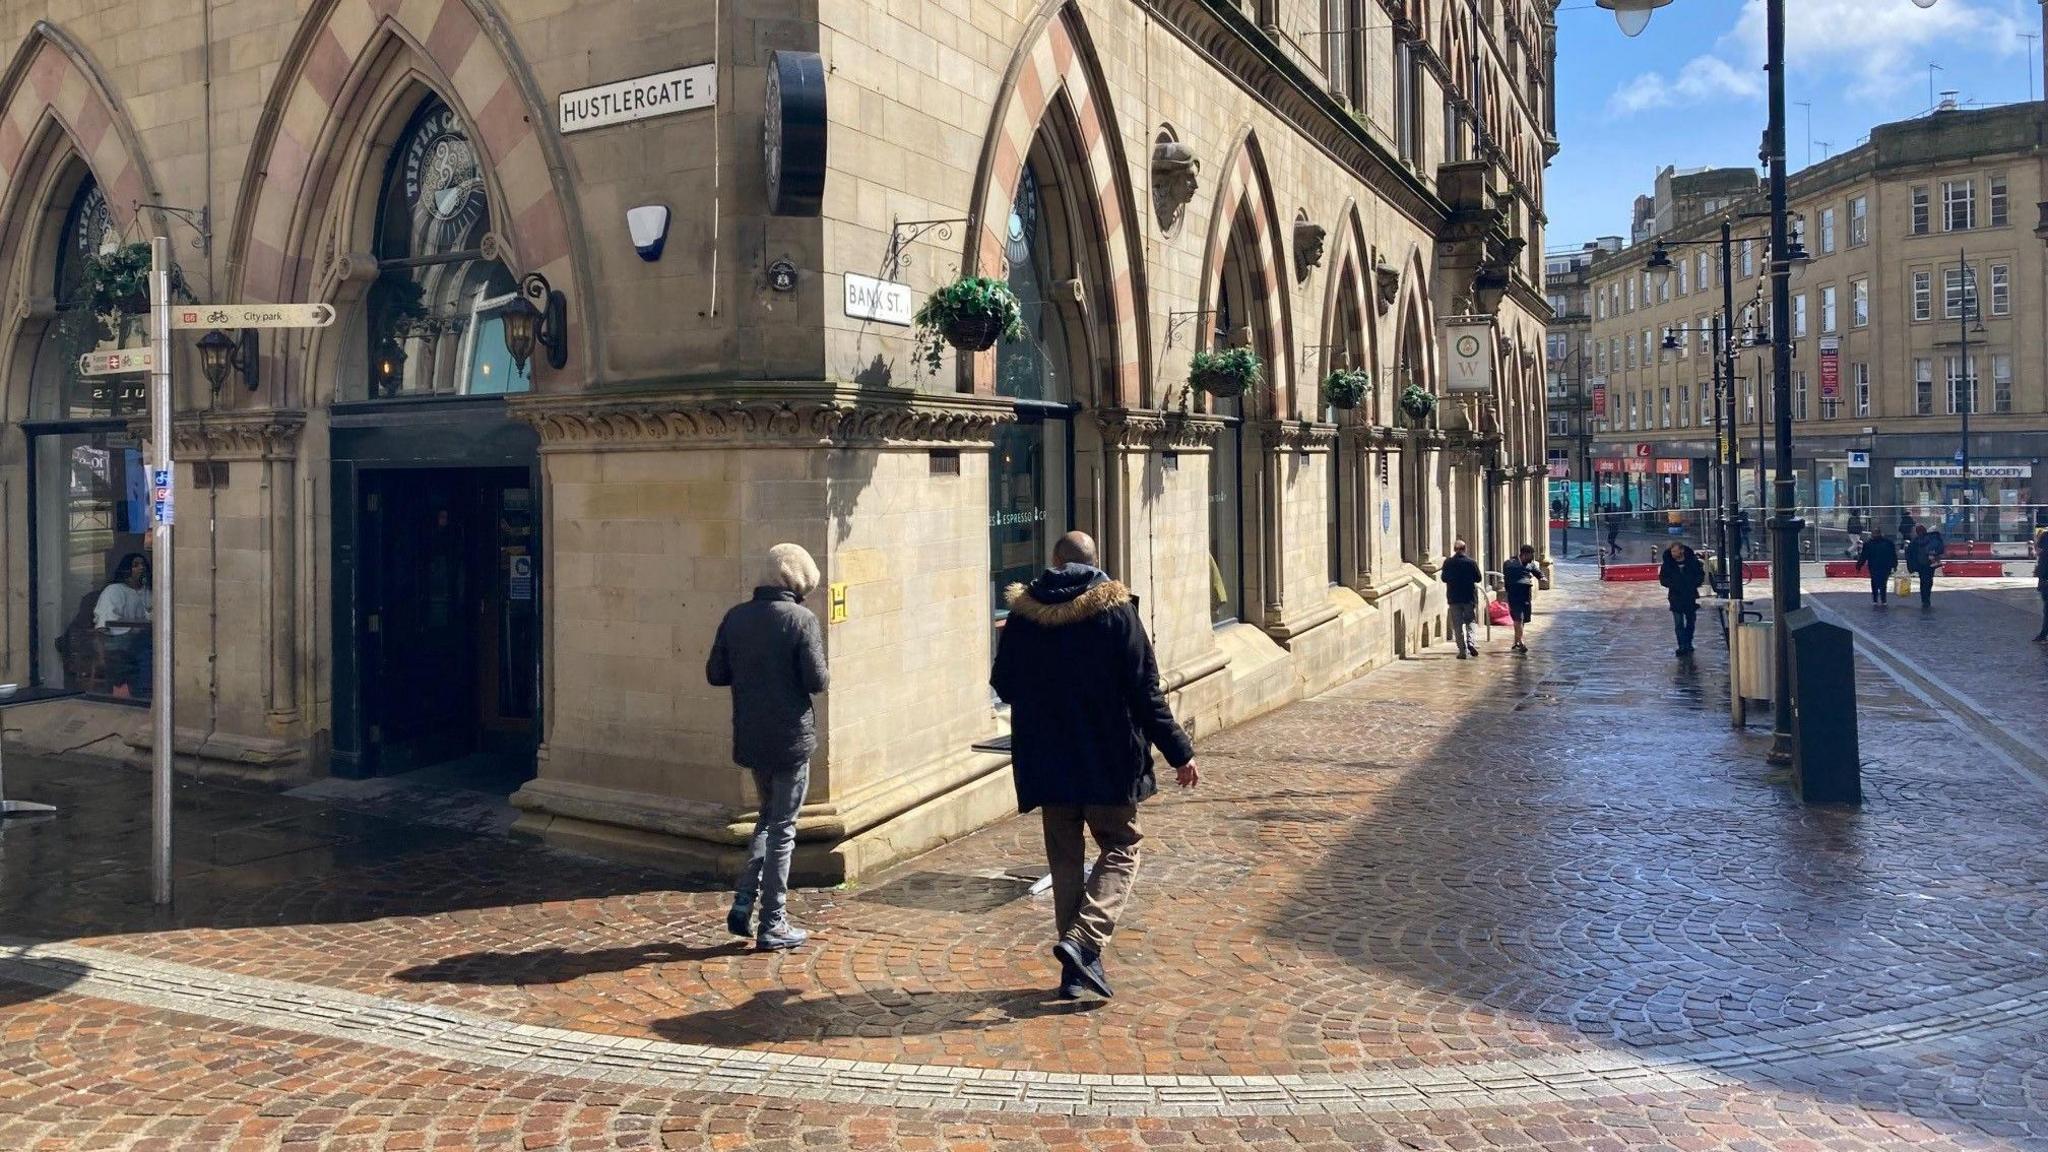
(771, 653)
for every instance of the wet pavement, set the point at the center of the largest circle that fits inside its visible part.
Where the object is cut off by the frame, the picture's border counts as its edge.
(1550, 901)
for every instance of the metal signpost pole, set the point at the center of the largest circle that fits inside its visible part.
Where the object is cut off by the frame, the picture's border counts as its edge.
(163, 512)
(1785, 523)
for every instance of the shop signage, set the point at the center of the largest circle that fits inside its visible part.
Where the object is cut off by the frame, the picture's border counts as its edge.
(1468, 354)
(1859, 459)
(1559, 470)
(1642, 449)
(885, 300)
(116, 362)
(253, 316)
(1606, 464)
(1955, 471)
(1600, 399)
(640, 98)
(1674, 467)
(1637, 465)
(1830, 367)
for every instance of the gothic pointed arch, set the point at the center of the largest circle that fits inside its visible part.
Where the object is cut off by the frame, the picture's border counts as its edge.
(1054, 101)
(1414, 319)
(1347, 308)
(62, 131)
(352, 68)
(1246, 216)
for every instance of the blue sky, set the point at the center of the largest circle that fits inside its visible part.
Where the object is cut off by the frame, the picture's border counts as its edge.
(1690, 90)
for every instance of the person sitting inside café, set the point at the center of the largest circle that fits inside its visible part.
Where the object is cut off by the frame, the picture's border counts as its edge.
(123, 617)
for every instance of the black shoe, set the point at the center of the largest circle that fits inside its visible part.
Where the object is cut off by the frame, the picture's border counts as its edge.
(740, 920)
(1070, 980)
(1087, 966)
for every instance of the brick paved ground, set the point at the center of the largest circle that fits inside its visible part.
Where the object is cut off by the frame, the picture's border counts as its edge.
(1547, 902)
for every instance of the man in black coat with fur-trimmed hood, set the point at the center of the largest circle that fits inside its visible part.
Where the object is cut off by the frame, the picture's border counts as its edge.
(1077, 670)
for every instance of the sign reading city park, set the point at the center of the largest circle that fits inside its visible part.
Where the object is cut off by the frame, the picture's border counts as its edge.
(884, 300)
(640, 98)
(116, 362)
(1955, 471)
(252, 316)
(1468, 354)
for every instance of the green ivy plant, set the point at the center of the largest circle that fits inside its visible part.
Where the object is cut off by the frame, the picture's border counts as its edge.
(1417, 402)
(953, 314)
(1346, 387)
(113, 286)
(1225, 372)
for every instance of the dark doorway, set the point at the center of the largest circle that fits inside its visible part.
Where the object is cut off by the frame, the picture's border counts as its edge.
(445, 625)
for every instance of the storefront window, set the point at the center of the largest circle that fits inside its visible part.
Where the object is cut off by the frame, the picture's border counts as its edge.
(434, 326)
(92, 572)
(1987, 505)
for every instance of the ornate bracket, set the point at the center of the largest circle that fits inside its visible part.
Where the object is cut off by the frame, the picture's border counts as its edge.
(904, 233)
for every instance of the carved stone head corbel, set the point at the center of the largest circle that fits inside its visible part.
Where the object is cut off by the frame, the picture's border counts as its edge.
(1176, 176)
(1309, 239)
(1386, 284)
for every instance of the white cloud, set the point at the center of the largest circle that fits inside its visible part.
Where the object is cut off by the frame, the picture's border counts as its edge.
(1702, 80)
(1875, 47)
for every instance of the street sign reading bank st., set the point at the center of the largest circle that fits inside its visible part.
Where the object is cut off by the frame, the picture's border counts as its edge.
(252, 316)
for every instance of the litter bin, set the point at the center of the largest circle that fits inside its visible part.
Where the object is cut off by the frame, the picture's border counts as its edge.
(1756, 659)
(1826, 762)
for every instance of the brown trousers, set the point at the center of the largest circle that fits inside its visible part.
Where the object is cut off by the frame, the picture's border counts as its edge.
(1085, 906)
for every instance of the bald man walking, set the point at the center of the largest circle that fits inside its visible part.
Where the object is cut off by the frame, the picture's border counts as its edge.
(1086, 710)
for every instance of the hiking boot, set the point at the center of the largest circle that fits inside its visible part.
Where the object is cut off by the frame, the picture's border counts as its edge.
(740, 921)
(780, 937)
(1087, 966)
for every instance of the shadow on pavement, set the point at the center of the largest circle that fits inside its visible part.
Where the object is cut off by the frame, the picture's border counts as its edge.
(557, 965)
(782, 1015)
(245, 858)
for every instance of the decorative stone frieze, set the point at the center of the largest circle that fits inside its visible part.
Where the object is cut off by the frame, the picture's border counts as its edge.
(1150, 430)
(790, 416)
(249, 435)
(1297, 435)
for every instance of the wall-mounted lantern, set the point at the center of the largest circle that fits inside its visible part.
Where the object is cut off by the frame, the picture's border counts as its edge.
(220, 353)
(539, 314)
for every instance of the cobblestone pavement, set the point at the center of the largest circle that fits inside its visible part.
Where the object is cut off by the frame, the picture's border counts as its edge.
(1546, 902)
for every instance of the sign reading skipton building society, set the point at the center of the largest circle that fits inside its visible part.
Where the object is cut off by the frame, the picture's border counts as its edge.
(641, 98)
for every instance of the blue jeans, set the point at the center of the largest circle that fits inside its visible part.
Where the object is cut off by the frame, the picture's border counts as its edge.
(767, 868)
(1684, 620)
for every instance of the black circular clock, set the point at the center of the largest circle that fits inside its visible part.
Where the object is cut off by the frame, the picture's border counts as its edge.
(793, 134)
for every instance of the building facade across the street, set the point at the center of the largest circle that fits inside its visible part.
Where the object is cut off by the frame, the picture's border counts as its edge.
(1920, 306)
(1573, 391)
(623, 296)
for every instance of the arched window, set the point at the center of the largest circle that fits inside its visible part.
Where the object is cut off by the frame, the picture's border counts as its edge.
(435, 326)
(90, 481)
(1046, 472)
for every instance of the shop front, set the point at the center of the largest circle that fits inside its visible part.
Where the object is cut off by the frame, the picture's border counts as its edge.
(1990, 501)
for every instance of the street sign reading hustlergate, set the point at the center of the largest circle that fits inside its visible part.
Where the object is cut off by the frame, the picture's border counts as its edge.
(116, 362)
(252, 316)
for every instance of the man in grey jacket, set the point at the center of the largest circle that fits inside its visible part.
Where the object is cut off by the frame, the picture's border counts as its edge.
(771, 653)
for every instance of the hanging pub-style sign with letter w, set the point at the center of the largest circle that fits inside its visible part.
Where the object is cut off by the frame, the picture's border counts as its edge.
(1468, 354)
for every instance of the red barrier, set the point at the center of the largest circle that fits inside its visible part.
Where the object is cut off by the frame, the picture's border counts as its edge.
(1629, 573)
(1842, 569)
(1556, 524)
(1973, 568)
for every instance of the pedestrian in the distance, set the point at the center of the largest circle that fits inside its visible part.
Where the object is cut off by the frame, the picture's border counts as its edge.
(1522, 574)
(1742, 533)
(1613, 532)
(1462, 577)
(1077, 670)
(2041, 586)
(1906, 527)
(771, 653)
(1921, 561)
(1681, 574)
(1880, 557)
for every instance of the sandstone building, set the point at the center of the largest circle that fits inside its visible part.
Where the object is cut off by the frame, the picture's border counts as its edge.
(400, 546)
(1919, 239)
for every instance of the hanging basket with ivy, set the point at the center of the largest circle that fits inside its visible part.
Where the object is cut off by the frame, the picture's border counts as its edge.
(113, 286)
(1226, 372)
(1346, 388)
(970, 315)
(1417, 402)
